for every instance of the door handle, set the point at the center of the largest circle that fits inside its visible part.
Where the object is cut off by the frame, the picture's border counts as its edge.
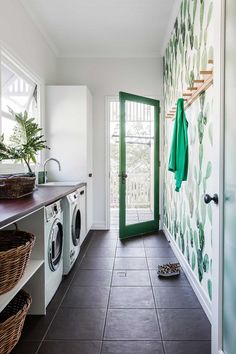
(208, 198)
(123, 177)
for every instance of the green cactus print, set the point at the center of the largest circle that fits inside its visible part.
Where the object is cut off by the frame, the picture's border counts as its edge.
(186, 216)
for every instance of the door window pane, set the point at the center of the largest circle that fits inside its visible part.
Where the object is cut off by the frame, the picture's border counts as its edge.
(139, 140)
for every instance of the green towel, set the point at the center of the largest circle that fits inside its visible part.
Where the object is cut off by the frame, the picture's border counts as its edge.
(178, 162)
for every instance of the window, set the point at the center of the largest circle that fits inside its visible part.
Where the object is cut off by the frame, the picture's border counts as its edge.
(18, 93)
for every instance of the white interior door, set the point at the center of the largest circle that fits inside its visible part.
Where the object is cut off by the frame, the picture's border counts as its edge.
(228, 289)
(224, 92)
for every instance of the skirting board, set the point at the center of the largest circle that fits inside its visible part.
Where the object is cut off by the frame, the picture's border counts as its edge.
(200, 293)
(99, 226)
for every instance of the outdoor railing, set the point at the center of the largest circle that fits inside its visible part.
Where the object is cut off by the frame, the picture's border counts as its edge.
(137, 190)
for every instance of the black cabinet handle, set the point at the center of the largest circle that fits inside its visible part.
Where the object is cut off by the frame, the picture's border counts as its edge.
(81, 193)
(90, 174)
(208, 198)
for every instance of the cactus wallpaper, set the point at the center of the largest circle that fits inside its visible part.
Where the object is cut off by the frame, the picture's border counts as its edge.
(186, 216)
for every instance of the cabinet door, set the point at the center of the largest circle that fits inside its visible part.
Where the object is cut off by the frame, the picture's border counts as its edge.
(66, 132)
(89, 162)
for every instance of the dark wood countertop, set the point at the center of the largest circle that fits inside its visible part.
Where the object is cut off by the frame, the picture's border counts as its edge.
(12, 210)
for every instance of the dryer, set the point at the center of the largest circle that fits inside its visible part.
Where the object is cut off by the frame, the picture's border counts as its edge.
(74, 227)
(53, 248)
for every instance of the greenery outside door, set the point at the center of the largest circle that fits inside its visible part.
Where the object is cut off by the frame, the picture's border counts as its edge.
(139, 165)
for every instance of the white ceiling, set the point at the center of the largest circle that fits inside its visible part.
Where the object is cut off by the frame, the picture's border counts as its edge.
(104, 28)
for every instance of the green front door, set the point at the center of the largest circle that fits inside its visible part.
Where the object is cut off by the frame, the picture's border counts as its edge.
(139, 165)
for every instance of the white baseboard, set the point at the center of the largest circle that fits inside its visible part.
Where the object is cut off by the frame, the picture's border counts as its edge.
(99, 226)
(200, 293)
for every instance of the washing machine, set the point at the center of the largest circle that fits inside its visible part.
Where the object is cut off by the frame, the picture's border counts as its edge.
(74, 227)
(53, 248)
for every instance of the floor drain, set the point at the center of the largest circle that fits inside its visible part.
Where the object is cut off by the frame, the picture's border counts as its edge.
(122, 274)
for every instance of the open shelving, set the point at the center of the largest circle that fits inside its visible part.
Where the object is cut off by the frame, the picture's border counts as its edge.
(33, 280)
(31, 269)
(191, 94)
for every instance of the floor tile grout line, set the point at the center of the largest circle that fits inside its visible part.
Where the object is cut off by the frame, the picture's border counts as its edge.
(125, 340)
(158, 320)
(104, 328)
(62, 299)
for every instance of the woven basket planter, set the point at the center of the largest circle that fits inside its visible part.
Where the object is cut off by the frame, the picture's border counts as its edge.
(13, 186)
(15, 251)
(12, 320)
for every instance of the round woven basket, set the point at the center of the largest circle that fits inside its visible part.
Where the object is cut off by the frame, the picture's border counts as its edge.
(12, 320)
(15, 251)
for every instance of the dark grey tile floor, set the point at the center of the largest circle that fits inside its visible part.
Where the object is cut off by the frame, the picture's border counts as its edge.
(113, 302)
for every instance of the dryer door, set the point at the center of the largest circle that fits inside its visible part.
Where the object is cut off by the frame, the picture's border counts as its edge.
(55, 245)
(76, 226)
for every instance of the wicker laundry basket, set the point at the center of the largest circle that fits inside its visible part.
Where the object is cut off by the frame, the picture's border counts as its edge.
(15, 251)
(13, 186)
(12, 320)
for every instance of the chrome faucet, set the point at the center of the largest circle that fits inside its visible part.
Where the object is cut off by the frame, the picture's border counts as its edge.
(44, 167)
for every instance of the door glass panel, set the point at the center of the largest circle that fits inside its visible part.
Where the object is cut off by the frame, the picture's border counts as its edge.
(56, 243)
(229, 266)
(76, 227)
(139, 183)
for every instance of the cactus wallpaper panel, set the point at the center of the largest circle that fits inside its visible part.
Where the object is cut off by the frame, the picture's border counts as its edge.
(186, 216)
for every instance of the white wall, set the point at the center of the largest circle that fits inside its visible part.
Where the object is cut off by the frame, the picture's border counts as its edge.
(106, 77)
(22, 38)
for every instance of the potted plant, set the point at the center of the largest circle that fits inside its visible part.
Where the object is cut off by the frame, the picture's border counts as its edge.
(24, 144)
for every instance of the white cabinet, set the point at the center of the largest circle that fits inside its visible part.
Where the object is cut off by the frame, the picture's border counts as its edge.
(69, 131)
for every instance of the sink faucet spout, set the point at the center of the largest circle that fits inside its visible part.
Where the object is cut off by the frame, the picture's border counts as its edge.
(44, 167)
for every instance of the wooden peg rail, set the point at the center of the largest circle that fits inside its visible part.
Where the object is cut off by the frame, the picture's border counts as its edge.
(192, 93)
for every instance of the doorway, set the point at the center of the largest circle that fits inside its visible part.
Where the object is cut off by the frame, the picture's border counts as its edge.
(133, 200)
(138, 165)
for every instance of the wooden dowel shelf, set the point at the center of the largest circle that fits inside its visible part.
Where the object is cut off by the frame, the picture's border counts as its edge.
(206, 72)
(192, 88)
(203, 85)
(207, 83)
(198, 81)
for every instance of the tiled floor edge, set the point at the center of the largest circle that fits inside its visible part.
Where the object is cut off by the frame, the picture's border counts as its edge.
(200, 293)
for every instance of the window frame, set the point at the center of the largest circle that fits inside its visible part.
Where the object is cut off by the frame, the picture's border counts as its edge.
(17, 66)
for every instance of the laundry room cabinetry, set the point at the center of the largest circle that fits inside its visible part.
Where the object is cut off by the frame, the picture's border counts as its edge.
(33, 278)
(69, 131)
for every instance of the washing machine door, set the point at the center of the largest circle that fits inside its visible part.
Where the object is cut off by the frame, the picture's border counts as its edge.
(76, 226)
(55, 245)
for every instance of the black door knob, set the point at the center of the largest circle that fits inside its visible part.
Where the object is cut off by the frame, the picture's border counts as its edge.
(208, 198)
(123, 176)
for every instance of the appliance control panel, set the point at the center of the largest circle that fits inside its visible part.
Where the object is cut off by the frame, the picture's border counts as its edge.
(53, 210)
(73, 197)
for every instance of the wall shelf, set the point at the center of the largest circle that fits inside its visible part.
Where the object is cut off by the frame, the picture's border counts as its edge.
(193, 93)
(33, 280)
(31, 269)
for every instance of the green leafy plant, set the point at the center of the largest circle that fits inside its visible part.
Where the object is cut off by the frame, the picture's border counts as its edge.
(25, 142)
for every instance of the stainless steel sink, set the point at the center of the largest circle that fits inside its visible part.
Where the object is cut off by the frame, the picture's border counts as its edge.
(58, 184)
